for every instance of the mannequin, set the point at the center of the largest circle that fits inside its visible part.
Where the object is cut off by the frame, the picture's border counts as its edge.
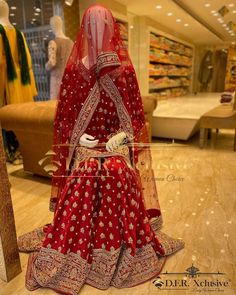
(4, 14)
(87, 140)
(17, 83)
(102, 233)
(56, 25)
(206, 71)
(58, 52)
(16, 76)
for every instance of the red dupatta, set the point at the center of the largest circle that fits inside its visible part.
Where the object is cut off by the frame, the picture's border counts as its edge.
(98, 61)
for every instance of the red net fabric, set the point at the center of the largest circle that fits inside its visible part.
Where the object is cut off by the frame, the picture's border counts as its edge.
(100, 62)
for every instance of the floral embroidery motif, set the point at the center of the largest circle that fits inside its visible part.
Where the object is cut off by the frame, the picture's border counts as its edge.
(107, 59)
(84, 117)
(68, 272)
(169, 244)
(123, 114)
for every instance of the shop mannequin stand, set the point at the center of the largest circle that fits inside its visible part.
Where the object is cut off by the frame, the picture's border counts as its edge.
(57, 25)
(58, 53)
(4, 14)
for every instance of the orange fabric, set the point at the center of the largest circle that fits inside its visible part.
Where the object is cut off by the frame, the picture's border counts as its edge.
(14, 91)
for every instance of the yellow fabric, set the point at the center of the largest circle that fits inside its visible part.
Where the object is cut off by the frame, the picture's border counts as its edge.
(14, 91)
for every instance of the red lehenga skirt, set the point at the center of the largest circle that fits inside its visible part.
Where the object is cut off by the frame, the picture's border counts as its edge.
(101, 234)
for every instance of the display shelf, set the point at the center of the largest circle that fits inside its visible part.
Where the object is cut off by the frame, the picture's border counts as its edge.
(170, 66)
(168, 62)
(168, 70)
(124, 31)
(167, 86)
(161, 42)
(169, 92)
(169, 50)
(166, 75)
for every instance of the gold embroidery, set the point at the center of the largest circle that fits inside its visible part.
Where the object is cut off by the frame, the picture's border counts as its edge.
(68, 272)
(122, 112)
(107, 59)
(84, 117)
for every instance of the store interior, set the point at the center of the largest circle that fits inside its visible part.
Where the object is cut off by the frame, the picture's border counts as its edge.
(184, 55)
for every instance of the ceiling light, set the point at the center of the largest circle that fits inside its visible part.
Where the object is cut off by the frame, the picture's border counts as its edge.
(223, 10)
(224, 25)
(69, 2)
(169, 13)
(158, 7)
(207, 5)
(37, 5)
(178, 20)
(14, 24)
(231, 5)
(13, 7)
(216, 14)
(233, 42)
(234, 11)
(12, 14)
(213, 11)
(36, 13)
(33, 19)
(227, 29)
(186, 25)
(131, 27)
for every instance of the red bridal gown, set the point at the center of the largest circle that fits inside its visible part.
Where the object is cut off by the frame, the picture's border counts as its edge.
(101, 234)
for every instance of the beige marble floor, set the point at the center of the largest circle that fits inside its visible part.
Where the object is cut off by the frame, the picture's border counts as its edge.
(197, 193)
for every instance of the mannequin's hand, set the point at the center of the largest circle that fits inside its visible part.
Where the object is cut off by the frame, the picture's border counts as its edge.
(114, 142)
(88, 141)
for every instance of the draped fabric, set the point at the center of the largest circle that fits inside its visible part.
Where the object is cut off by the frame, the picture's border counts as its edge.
(17, 83)
(24, 66)
(103, 232)
(99, 60)
(11, 72)
(58, 53)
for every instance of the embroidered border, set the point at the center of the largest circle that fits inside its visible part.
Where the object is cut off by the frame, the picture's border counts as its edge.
(31, 241)
(83, 153)
(156, 223)
(107, 59)
(84, 117)
(137, 269)
(170, 245)
(114, 94)
(67, 273)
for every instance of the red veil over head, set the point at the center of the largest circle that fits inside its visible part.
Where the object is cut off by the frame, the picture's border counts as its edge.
(99, 61)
